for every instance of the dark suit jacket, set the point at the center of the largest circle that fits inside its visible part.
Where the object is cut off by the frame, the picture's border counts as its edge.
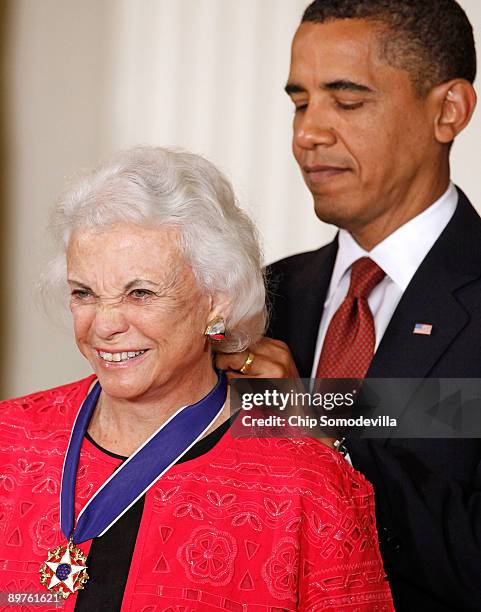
(428, 492)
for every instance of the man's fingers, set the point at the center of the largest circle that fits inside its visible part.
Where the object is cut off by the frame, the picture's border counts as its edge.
(276, 358)
(269, 347)
(233, 361)
(270, 359)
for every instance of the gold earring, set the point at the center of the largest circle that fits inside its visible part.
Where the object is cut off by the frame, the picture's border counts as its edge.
(215, 329)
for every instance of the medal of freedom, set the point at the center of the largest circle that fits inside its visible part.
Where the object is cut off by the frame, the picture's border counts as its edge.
(65, 570)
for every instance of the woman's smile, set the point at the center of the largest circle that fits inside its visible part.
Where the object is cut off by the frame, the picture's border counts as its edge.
(120, 358)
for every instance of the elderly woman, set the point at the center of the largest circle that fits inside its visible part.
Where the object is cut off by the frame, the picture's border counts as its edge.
(126, 490)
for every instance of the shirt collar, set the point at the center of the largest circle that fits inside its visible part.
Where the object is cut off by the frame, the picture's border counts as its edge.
(401, 253)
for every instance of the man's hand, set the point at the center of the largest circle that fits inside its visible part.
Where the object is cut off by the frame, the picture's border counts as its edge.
(272, 359)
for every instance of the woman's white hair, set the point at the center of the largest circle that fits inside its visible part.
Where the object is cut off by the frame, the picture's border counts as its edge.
(154, 187)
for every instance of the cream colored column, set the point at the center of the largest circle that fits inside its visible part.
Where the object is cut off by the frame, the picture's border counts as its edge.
(58, 105)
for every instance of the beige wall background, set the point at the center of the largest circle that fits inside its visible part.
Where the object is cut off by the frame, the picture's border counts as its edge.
(84, 79)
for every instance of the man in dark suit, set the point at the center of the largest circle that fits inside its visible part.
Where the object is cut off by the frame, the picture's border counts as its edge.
(381, 89)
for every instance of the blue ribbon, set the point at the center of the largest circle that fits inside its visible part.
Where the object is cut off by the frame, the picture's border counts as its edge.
(131, 479)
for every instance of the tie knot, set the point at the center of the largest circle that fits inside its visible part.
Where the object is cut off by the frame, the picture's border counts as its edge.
(365, 275)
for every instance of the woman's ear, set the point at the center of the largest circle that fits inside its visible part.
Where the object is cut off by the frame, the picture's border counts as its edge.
(220, 305)
(455, 102)
(215, 328)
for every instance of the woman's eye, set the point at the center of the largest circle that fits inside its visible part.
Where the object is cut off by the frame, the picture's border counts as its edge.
(141, 294)
(80, 294)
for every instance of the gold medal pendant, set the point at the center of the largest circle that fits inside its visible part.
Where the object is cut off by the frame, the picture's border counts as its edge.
(65, 570)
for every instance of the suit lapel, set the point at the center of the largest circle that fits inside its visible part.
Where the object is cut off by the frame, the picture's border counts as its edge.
(453, 262)
(312, 283)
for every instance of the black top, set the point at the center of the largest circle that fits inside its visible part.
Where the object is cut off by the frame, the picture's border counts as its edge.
(111, 554)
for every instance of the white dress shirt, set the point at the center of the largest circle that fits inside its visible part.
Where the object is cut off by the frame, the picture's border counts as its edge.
(399, 255)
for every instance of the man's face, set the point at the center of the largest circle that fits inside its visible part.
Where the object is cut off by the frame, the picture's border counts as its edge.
(362, 137)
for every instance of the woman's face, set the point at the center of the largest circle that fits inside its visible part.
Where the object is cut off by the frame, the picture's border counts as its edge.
(139, 317)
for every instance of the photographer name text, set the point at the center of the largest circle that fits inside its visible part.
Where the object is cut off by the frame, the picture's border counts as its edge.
(314, 422)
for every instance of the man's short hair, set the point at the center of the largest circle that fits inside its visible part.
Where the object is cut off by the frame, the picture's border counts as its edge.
(431, 39)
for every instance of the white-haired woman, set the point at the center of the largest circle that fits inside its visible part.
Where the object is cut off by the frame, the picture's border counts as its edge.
(126, 490)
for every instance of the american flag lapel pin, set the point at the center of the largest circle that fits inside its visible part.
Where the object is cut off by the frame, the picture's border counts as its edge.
(423, 329)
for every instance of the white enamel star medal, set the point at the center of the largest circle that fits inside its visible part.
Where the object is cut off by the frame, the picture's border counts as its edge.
(64, 571)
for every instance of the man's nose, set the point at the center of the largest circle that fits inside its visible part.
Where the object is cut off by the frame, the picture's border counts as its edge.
(110, 320)
(312, 129)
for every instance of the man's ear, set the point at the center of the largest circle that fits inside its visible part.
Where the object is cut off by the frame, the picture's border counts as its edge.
(454, 103)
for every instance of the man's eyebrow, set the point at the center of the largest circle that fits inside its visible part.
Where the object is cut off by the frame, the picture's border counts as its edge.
(339, 85)
(292, 88)
(346, 85)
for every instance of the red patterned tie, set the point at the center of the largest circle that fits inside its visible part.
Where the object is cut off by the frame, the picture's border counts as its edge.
(350, 338)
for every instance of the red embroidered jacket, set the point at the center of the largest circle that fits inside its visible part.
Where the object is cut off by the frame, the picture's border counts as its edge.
(254, 525)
